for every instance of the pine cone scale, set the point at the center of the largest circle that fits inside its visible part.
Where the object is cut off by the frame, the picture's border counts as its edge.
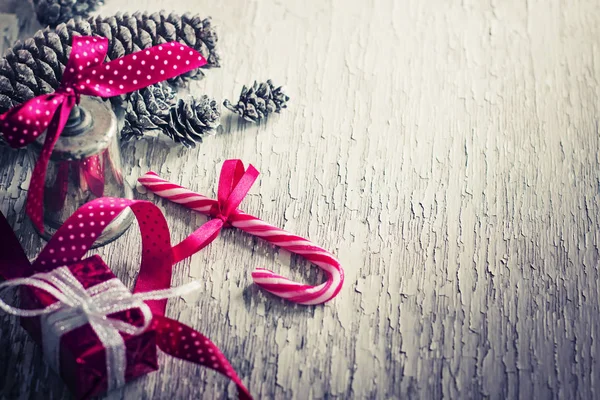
(53, 12)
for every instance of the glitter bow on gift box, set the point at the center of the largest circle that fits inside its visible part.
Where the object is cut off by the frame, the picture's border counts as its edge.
(234, 184)
(87, 74)
(94, 332)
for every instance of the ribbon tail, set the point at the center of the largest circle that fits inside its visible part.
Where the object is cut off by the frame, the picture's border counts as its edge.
(92, 172)
(190, 345)
(13, 260)
(35, 196)
(198, 240)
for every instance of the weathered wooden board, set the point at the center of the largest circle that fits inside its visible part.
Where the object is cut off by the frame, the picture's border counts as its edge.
(446, 151)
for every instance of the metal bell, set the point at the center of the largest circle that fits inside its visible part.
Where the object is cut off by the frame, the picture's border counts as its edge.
(85, 164)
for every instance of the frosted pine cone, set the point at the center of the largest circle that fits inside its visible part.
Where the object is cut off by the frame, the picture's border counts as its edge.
(258, 101)
(147, 110)
(186, 123)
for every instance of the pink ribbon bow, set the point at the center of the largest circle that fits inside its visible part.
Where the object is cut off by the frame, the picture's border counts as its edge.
(87, 74)
(234, 184)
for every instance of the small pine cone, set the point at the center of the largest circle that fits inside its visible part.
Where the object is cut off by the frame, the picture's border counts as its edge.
(147, 110)
(54, 12)
(36, 66)
(258, 101)
(185, 123)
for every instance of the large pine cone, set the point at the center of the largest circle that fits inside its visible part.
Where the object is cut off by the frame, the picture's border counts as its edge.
(36, 66)
(54, 12)
(258, 101)
(186, 123)
(130, 33)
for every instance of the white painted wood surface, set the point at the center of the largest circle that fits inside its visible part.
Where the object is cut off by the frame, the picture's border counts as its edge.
(446, 151)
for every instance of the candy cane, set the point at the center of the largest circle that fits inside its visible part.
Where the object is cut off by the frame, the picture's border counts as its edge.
(268, 280)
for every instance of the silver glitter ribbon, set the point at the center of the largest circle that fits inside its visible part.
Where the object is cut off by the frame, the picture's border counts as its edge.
(77, 306)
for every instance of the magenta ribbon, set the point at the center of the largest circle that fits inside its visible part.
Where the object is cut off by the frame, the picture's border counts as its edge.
(234, 185)
(87, 74)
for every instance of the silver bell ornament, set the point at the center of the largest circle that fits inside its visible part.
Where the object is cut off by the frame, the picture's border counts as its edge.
(85, 164)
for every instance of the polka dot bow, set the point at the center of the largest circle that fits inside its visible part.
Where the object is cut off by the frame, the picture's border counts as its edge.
(86, 73)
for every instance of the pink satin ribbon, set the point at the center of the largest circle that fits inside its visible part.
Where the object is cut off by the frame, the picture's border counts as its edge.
(87, 74)
(234, 184)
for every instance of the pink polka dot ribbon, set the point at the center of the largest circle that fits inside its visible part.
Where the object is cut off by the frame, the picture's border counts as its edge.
(70, 244)
(234, 184)
(86, 73)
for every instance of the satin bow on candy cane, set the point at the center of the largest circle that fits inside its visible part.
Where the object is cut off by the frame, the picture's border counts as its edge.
(234, 184)
(87, 74)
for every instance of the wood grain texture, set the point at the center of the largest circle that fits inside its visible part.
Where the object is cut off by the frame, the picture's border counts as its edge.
(446, 151)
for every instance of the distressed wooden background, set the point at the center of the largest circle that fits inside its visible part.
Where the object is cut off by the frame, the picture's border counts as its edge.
(446, 151)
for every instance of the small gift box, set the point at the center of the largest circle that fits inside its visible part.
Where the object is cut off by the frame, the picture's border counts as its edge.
(79, 347)
(95, 332)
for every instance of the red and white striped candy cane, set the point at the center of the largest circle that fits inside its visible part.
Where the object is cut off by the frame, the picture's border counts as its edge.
(232, 177)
